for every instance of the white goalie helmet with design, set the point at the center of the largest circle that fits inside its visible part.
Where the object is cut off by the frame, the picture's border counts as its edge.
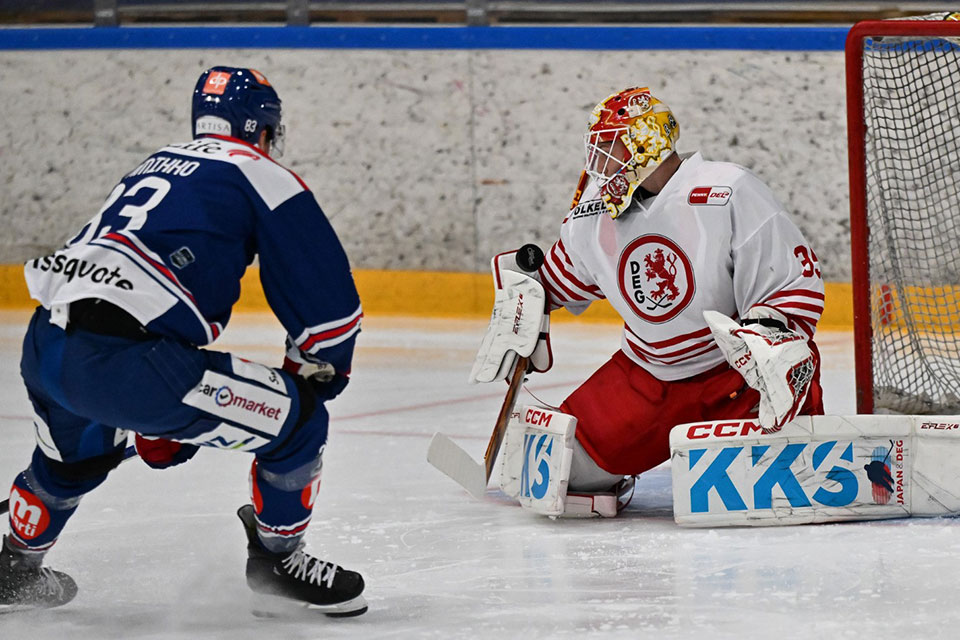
(630, 134)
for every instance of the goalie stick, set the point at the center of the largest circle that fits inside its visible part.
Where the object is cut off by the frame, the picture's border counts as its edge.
(450, 458)
(444, 453)
(128, 453)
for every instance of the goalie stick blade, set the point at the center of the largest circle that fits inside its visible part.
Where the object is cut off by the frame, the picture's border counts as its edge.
(454, 462)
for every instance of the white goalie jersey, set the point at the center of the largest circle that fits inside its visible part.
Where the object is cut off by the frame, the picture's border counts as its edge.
(715, 238)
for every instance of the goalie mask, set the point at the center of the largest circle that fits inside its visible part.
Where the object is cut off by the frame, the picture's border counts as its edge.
(239, 103)
(630, 134)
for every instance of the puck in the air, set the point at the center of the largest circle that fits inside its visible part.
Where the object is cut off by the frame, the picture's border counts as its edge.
(529, 257)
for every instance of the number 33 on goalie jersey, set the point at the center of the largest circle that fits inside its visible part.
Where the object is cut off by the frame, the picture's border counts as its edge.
(715, 238)
(175, 236)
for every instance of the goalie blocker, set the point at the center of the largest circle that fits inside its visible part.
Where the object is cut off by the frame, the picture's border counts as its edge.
(816, 469)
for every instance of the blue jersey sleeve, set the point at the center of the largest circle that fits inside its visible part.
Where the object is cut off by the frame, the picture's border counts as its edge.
(307, 281)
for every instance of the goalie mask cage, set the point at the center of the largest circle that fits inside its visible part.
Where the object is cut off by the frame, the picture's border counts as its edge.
(903, 117)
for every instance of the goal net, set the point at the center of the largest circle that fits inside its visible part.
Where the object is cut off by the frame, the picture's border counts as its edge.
(903, 100)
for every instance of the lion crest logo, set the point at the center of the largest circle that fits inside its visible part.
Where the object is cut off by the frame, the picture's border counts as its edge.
(655, 278)
(663, 271)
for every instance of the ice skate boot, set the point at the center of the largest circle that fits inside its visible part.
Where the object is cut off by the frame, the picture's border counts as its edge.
(25, 586)
(287, 583)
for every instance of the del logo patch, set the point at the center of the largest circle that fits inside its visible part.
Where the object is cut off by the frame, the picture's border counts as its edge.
(655, 278)
(717, 196)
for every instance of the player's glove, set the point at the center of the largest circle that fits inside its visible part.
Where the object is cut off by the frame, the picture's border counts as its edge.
(772, 359)
(325, 381)
(160, 453)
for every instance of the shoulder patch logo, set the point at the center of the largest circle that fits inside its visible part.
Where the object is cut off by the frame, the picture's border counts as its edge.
(717, 196)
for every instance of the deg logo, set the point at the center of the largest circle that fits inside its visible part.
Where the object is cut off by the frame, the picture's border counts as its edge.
(655, 278)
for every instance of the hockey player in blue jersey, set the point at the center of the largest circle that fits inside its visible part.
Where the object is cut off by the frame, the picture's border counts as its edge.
(114, 346)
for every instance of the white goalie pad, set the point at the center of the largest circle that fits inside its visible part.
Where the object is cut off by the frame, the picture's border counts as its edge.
(514, 328)
(536, 457)
(816, 469)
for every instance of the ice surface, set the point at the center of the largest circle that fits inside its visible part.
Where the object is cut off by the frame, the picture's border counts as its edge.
(160, 554)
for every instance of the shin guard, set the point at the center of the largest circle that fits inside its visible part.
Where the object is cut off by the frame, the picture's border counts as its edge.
(283, 503)
(36, 516)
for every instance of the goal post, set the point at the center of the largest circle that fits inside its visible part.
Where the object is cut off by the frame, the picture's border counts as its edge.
(903, 127)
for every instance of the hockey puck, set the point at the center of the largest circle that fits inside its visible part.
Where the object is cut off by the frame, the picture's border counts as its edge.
(529, 257)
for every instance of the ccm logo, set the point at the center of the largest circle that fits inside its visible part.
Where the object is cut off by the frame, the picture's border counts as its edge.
(710, 195)
(722, 429)
(539, 418)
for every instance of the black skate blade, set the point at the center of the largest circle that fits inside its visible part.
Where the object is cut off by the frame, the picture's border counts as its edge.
(268, 606)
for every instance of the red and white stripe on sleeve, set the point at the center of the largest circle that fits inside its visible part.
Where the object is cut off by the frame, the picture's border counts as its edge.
(802, 307)
(329, 334)
(563, 284)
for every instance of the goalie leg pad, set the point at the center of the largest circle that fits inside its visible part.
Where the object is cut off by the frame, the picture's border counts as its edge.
(541, 457)
(816, 469)
(537, 457)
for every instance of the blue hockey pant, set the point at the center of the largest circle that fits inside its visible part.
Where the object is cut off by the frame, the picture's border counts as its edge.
(88, 391)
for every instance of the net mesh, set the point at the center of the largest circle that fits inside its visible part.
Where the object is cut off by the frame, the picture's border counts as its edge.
(911, 93)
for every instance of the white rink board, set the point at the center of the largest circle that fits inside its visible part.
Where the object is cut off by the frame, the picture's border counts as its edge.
(425, 160)
(159, 554)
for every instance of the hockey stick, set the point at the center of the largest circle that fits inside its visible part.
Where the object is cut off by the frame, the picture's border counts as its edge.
(453, 461)
(128, 453)
(446, 455)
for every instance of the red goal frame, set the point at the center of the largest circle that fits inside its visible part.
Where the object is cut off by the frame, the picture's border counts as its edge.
(859, 234)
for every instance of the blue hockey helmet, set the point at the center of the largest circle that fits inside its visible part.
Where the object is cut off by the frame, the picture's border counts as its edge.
(237, 102)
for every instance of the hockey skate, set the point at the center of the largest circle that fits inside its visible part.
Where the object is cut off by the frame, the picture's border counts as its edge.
(287, 583)
(25, 587)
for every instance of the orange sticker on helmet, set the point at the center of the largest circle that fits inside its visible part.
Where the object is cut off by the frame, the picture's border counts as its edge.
(262, 79)
(216, 82)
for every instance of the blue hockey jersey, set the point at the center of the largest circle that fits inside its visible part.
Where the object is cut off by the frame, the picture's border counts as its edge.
(174, 237)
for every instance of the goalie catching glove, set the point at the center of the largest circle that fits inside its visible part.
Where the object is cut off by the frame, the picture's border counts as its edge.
(772, 359)
(519, 325)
